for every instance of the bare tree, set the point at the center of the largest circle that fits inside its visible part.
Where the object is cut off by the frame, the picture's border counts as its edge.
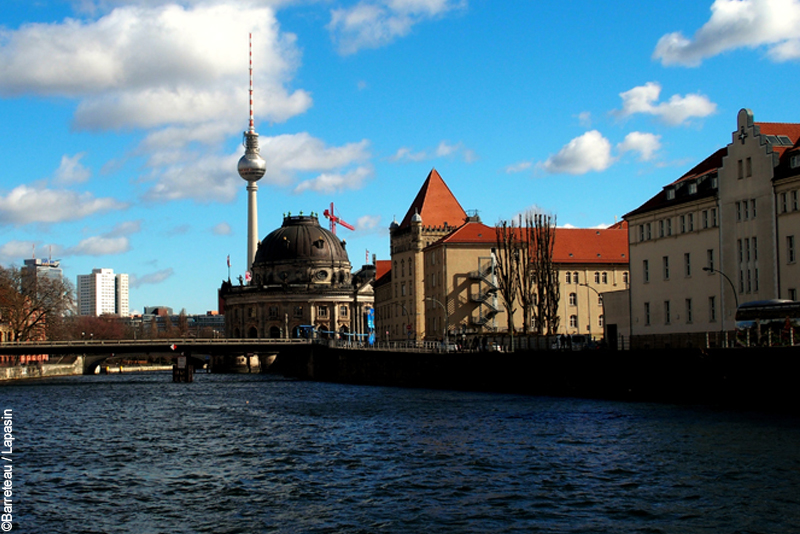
(526, 276)
(544, 274)
(32, 306)
(507, 265)
(183, 323)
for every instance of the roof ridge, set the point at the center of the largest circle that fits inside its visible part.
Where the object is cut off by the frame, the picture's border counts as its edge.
(435, 203)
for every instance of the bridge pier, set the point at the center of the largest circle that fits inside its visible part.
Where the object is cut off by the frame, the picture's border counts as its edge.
(183, 369)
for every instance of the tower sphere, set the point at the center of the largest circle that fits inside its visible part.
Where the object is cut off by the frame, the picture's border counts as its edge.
(251, 166)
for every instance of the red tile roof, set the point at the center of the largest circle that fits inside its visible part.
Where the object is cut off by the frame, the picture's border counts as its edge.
(382, 267)
(571, 245)
(790, 130)
(436, 204)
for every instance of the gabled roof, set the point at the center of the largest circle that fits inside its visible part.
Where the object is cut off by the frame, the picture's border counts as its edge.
(571, 245)
(383, 273)
(436, 204)
(709, 166)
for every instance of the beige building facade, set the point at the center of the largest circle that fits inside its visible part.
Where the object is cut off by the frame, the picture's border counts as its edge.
(721, 235)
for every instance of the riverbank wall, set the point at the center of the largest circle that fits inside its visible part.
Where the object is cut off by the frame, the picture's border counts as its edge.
(42, 370)
(744, 378)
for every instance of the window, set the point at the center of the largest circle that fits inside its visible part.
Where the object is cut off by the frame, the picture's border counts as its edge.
(740, 169)
(749, 167)
(688, 311)
(661, 228)
(745, 210)
(691, 222)
(647, 231)
(794, 200)
(693, 188)
(600, 321)
(755, 248)
(298, 311)
(783, 203)
(753, 207)
(575, 277)
(665, 261)
(573, 299)
(712, 309)
(573, 321)
(647, 314)
(641, 232)
(322, 312)
(273, 312)
(646, 271)
(683, 224)
(790, 252)
(738, 211)
(402, 267)
(670, 194)
(343, 311)
(705, 219)
(792, 293)
(403, 286)
(714, 217)
(569, 277)
(667, 316)
(687, 262)
(596, 278)
(739, 250)
(625, 277)
(604, 278)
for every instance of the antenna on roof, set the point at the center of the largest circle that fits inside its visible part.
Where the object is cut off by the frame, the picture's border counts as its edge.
(252, 126)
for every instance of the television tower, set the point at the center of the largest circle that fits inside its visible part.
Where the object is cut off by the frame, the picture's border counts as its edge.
(251, 168)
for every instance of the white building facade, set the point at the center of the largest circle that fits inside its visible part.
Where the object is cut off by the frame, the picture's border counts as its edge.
(103, 292)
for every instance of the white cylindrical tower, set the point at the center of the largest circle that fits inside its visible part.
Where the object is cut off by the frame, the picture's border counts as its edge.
(251, 168)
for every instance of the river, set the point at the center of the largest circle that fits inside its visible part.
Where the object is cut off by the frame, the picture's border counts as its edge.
(135, 453)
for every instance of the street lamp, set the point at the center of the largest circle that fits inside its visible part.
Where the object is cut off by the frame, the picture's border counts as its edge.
(446, 319)
(733, 288)
(602, 303)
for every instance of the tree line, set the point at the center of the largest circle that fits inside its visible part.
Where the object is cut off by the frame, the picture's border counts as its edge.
(526, 274)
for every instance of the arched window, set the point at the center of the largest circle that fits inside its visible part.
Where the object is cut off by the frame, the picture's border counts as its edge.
(605, 278)
(569, 276)
(596, 278)
(575, 277)
(573, 321)
(573, 299)
(274, 332)
(600, 321)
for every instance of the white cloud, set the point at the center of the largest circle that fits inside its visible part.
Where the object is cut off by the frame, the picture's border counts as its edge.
(151, 278)
(222, 228)
(585, 119)
(588, 152)
(15, 251)
(375, 23)
(25, 205)
(677, 110)
(646, 144)
(99, 246)
(369, 223)
(518, 167)
(71, 171)
(443, 150)
(126, 228)
(329, 183)
(736, 24)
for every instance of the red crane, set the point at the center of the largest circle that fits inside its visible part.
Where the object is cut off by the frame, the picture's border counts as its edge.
(336, 220)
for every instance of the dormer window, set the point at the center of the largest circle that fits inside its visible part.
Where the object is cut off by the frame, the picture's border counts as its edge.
(670, 194)
(692, 188)
(794, 162)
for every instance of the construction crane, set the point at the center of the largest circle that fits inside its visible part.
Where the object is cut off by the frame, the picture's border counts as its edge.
(330, 214)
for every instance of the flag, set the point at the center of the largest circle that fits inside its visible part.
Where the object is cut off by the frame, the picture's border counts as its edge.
(247, 276)
(229, 261)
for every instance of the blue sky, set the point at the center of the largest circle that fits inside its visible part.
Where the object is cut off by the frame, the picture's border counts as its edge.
(122, 120)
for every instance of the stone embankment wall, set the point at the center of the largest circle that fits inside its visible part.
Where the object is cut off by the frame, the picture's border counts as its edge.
(39, 370)
(745, 378)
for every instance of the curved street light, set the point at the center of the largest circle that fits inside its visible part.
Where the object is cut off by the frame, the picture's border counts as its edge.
(735, 297)
(602, 304)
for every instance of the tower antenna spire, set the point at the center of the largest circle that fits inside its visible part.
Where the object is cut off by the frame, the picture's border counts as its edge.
(251, 168)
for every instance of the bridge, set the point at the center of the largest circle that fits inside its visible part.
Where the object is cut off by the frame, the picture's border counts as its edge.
(97, 351)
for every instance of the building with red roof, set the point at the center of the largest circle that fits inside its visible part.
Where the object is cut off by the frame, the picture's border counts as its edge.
(722, 234)
(442, 276)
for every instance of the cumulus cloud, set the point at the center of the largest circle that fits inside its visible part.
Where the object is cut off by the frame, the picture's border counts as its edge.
(375, 23)
(588, 152)
(369, 223)
(677, 110)
(443, 150)
(334, 182)
(151, 278)
(26, 205)
(646, 144)
(71, 170)
(126, 228)
(14, 251)
(736, 24)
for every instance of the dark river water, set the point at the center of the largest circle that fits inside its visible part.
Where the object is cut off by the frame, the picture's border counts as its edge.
(135, 453)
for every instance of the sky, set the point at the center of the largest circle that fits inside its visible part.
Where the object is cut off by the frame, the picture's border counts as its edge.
(133, 111)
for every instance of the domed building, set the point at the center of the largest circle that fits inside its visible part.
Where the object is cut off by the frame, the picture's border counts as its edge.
(301, 285)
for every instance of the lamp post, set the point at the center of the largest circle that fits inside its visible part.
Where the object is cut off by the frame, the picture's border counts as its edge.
(733, 288)
(446, 319)
(408, 330)
(602, 304)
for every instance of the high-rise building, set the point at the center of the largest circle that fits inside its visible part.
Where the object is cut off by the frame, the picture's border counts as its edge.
(37, 268)
(103, 292)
